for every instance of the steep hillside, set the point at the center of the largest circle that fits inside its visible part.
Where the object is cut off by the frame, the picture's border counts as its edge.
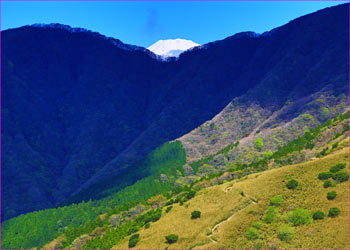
(230, 209)
(104, 223)
(245, 123)
(79, 108)
(39, 227)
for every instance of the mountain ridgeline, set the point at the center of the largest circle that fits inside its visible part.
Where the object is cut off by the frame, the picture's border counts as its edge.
(80, 112)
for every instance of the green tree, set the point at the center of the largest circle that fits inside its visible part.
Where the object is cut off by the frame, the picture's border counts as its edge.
(292, 184)
(195, 214)
(318, 215)
(133, 240)
(252, 233)
(331, 195)
(325, 175)
(328, 184)
(171, 238)
(299, 216)
(259, 143)
(341, 176)
(337, 167)
(333, 212)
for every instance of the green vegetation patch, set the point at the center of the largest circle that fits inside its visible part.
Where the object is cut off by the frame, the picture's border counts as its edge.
(337, 167)
(318, 215)
(292, 184)
(331, 195)
(257, 224)
(134, 240)
(328, 184)
(324, 175)
(82, 218)
(341, 176)
(259, 143)
(286, 232)
(195, 214)
(305, 141)
(271, 215)
(276, 200)
(171, 238)
(167, 210)
(299, 216)
(252, 233)
(114, 235)
(333, 212)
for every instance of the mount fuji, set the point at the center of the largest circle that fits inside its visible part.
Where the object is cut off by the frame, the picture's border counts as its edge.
(171, 47)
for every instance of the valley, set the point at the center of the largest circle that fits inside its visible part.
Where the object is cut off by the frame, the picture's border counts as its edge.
(241, 143)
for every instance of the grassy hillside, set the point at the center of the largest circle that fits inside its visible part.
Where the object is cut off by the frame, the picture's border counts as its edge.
(229, 209)
(101, 224)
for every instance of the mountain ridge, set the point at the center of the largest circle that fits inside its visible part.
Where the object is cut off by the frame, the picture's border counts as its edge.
(90, 132)
(74, 133)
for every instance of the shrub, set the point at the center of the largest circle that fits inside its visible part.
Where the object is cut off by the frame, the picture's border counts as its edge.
(323, 152)
(257, 224)
(252, 233)
(270, 215)
(171, 238)
(132, 230)
(169, 202)
(286, 232)
(333, 212)
(133, 240)
(292, 184)
(259, 143)
(331, 195)
(318, 215)
(147, 225)
(328, 184)
(167, 210)
(195, 214)
(324, 175)
(276, 200)
(341, 176)
(190, 194)
(268, 155)
(337, 167)
(156, 215)
(299, 216)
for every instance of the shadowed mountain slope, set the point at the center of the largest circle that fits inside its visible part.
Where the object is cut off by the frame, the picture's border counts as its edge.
(78, 108)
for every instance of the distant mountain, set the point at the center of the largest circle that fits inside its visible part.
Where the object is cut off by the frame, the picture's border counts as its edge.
(80, 111)
(171, 47)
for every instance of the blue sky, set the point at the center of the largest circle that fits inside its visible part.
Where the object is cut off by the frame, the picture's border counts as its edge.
(144, 23)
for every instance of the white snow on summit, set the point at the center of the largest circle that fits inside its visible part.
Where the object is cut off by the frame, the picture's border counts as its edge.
(171, 47)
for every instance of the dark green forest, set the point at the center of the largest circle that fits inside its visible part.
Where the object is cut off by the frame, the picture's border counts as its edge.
(38, 228)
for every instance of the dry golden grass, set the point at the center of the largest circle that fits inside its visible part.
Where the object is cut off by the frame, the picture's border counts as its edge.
(235, 214)
(178, 220)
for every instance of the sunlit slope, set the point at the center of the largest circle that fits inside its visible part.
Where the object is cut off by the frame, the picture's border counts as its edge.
(226, 212)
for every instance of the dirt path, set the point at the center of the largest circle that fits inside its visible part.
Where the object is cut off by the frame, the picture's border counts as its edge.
(233, 212)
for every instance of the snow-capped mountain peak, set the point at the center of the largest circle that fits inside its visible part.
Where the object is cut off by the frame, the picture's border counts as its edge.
(171, 47)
